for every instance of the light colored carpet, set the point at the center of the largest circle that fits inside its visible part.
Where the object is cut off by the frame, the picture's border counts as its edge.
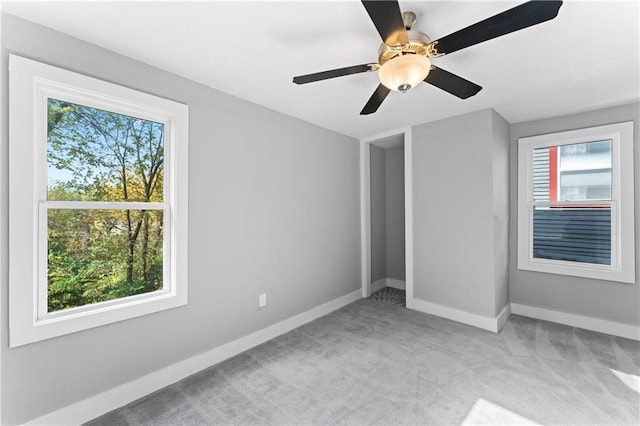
(379, 363)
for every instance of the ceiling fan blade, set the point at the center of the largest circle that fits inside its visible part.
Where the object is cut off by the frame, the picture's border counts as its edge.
(518, 18)
(375, 100)
(339, 72)
(452, 83)
(387, 18)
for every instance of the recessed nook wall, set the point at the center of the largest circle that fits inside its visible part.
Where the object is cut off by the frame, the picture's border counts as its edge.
(387, 200)
(460, 214)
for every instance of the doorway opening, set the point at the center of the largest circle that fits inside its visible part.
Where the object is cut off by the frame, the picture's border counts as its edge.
(384, 219)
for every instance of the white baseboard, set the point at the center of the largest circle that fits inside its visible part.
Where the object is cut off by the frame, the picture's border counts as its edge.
(628, 331)
(111, 399)
(378, 285)
(479, 321)
(503, 316)
(399, 284)
(387, 282)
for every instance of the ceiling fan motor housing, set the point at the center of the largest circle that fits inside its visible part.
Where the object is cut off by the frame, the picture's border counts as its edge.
(419, 44)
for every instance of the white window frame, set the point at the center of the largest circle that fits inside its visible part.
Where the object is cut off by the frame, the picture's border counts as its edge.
(622, 268)
(31, 83)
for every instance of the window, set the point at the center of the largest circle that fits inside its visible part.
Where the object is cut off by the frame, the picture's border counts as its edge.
(575, 203)
(98, 202)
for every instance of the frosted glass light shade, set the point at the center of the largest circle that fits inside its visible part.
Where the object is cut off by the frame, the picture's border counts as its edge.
(404, 72)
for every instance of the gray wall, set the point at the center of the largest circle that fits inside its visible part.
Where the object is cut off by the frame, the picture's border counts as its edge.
(387, 213)
(378, 214)
(273, 207)
(460, 244)
(582, 296)
(394, 205)
(501, 200)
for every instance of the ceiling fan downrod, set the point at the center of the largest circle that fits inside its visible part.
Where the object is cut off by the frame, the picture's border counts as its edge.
(408, 18)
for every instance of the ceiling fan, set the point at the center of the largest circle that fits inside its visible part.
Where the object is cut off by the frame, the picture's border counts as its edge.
(404, 55)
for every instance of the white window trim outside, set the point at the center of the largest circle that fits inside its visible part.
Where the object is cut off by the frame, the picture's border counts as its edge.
(622, 267)
(31, 83)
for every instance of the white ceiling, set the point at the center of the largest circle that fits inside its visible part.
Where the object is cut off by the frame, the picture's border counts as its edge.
(586, 58)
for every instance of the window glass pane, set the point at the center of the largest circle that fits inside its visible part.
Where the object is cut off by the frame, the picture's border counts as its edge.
(585, 171)
(98, 155)
(587, 155)
(572, 172)
(585, 185)
(99, 255)
(572, 234)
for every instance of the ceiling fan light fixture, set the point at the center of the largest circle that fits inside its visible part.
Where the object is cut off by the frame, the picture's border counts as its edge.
(404, 72)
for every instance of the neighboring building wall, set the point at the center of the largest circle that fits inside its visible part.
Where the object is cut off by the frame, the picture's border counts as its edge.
(460, 201)
(378, 214)
(606, 300)
(394, 200)
(274, 207)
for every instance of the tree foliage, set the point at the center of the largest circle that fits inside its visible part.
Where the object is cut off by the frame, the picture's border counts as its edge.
(96, 254)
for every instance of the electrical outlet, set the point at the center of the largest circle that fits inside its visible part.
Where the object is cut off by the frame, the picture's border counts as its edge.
(262, 300)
